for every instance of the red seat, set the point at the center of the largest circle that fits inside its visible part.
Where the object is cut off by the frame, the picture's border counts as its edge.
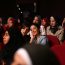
(59, 51)
(53, 40)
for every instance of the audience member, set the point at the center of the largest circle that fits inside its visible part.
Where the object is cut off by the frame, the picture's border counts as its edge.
(63, 25)
(16, 34)
(10, 22)
(54, 29)
(37, 19)
(1, 22)
(24, 32)
(12, 41)
(36, 38)
(44, 24)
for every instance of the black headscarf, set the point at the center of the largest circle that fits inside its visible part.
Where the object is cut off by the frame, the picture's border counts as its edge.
(41, 55)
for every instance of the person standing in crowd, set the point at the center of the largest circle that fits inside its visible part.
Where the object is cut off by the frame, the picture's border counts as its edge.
(34, 55)
(36, 38)
(54, 29)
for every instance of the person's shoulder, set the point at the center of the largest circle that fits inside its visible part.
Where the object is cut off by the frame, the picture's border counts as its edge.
(48, 27)
(60, 27)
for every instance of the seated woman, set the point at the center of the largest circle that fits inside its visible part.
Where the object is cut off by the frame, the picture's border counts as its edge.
(54, 29)
(24, 32)
(10, 40)
(36, 38)
(34, 55)
(44, 24)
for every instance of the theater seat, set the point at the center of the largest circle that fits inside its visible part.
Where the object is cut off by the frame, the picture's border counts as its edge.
(53, 40)
(59, 51)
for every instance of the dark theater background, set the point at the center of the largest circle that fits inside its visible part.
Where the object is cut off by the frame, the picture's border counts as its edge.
(7, 8)
(52, 7)
(42, 7)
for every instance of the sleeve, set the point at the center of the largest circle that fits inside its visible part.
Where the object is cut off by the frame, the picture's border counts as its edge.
(59, 34)
(48, 31)
(43, 40)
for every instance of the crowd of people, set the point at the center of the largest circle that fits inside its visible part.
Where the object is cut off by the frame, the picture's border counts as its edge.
(27, 43)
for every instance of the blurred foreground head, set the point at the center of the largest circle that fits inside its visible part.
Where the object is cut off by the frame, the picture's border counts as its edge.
(34, 55)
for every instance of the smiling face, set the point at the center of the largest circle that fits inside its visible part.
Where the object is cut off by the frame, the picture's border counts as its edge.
(6, 37)
(34, 30)
(24, 31)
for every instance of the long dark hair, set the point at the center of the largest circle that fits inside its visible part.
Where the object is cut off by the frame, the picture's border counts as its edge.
(14, 43)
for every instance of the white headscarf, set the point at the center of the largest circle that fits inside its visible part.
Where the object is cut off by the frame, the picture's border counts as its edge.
(24, 54)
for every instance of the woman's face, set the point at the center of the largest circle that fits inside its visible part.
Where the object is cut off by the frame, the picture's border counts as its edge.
(6, 37)
(18, 60)
(10, 23)
(24, 31)
(36, 20)
(53, 23)
(34, 30)
(43, 22)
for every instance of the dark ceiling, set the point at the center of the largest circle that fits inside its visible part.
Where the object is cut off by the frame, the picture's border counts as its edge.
(7, 8)
(44, 7)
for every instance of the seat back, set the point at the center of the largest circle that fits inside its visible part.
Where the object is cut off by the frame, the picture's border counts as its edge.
(53, 40)
(59, 51)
